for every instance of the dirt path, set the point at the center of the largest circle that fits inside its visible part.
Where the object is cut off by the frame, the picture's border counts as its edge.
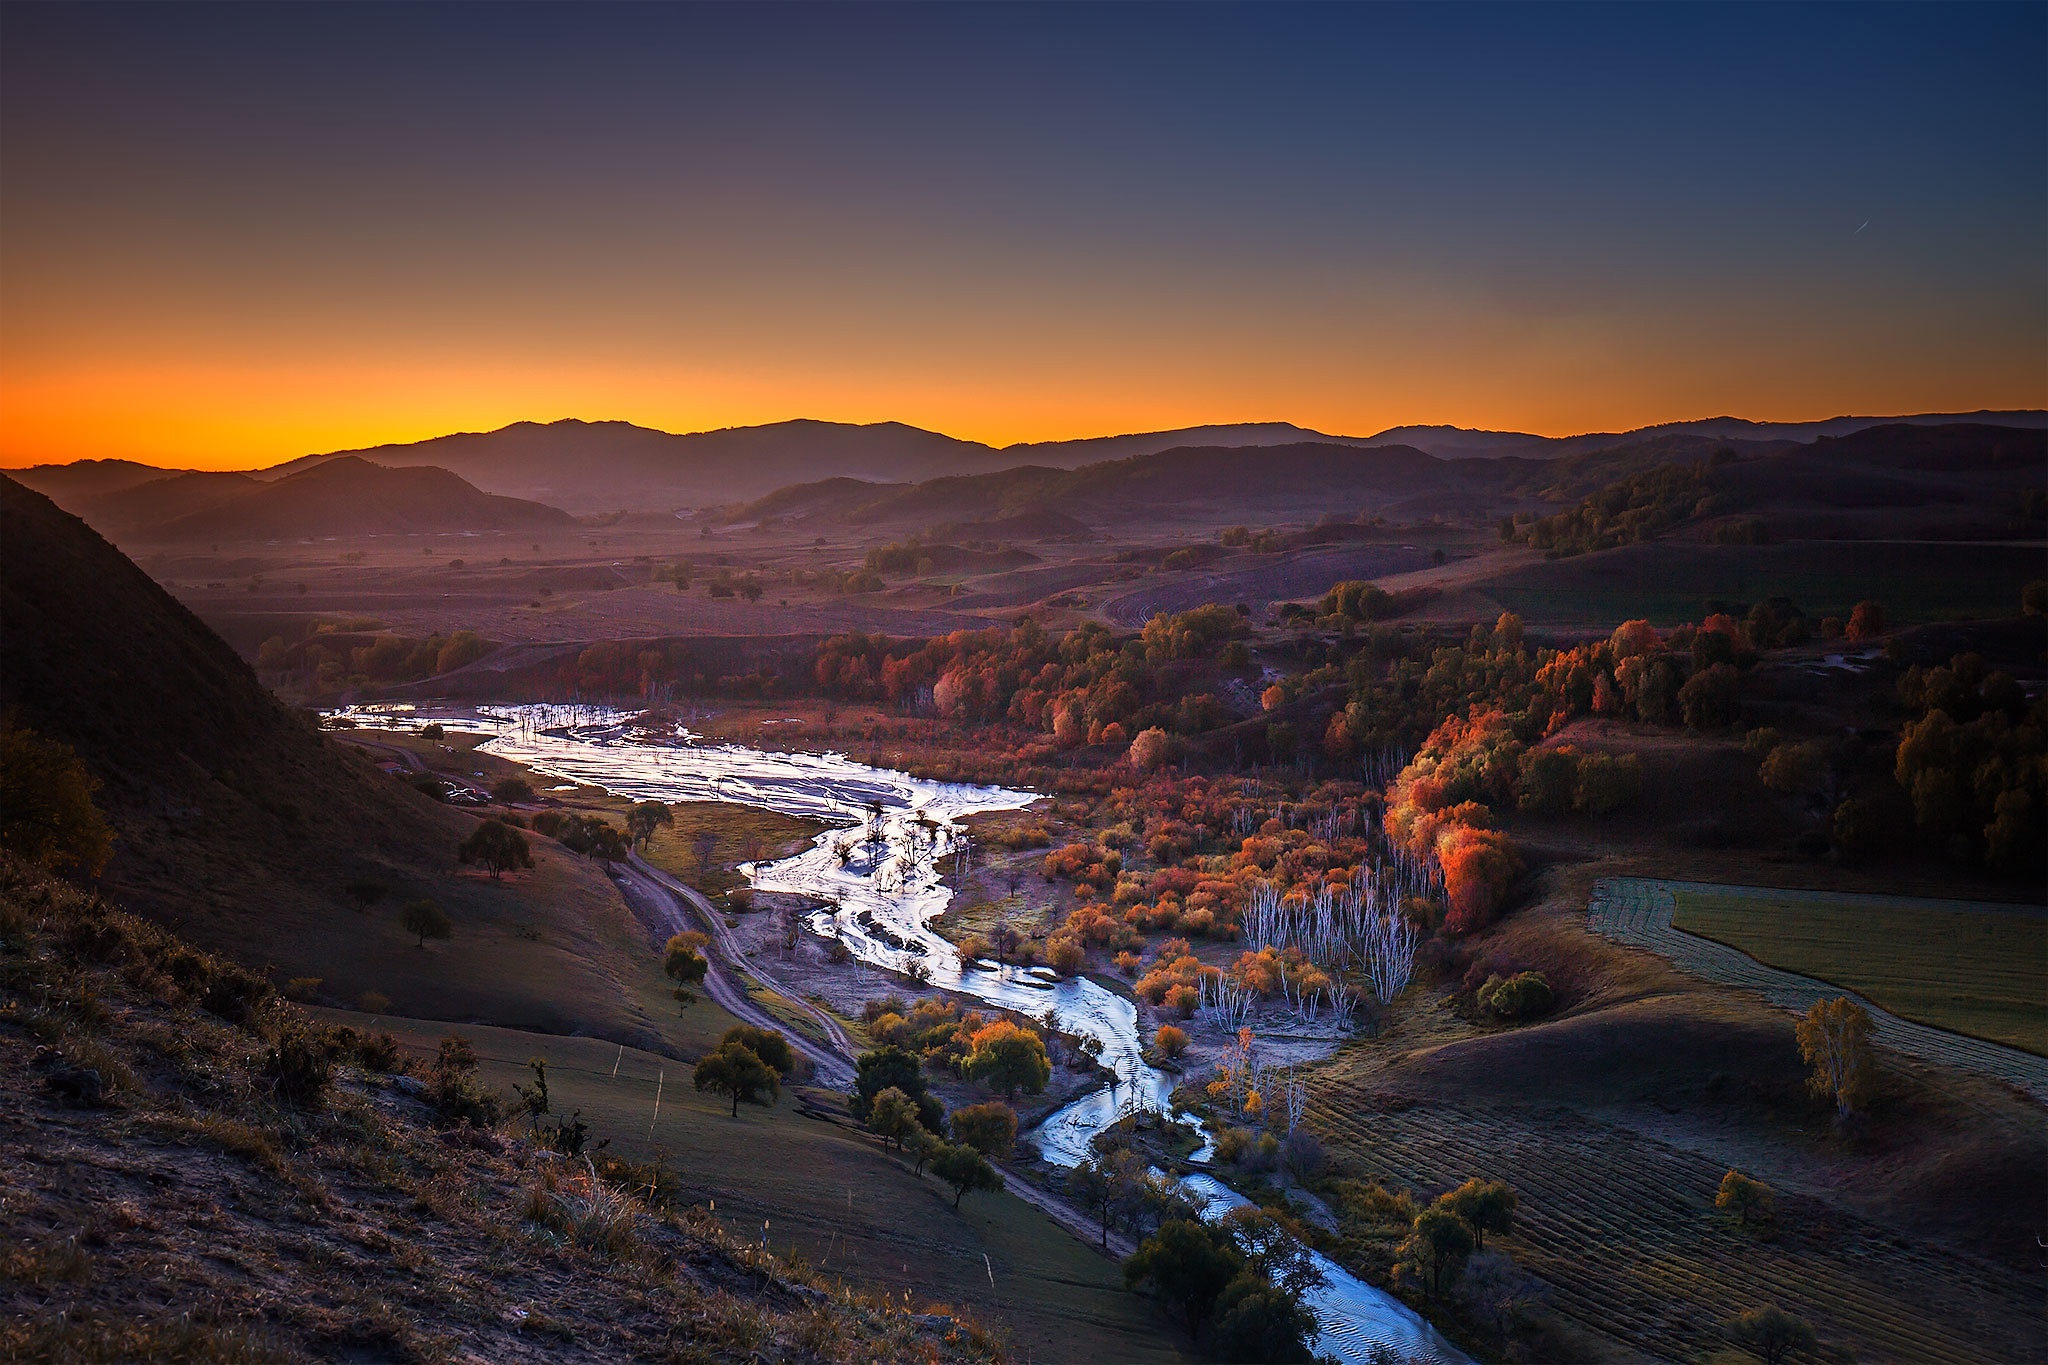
(661, 903)
(411, 761)
(1638, 912)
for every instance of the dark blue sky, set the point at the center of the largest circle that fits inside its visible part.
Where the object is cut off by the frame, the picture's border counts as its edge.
(1015, 222)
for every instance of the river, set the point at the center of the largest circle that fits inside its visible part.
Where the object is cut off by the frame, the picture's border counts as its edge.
(882, 867)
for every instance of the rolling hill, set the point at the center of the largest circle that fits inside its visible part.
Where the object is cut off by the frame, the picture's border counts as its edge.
(238, 820)
(340, 497)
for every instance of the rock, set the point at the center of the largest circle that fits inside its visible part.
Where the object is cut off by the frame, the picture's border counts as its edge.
(81, 1085)
(936, 1323)
(410, 1085)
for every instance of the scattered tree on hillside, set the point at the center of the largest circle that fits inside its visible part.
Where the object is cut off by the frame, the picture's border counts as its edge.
(1771, 1334)
(47, 816)
(512, 791)
(683, 959)
(989, 1128)
(1171, 1040)
(1485, 1205)
(426, 920)
(1009, 1058)
(892, 1117)
(496, 845)
(770, 1046)
(733, 1070)
(965, 1170)
(647, 817)
(1750, 1202)
(365, 892)
(1188, 1265)
(880, 1068)
(1437, 1247)
(1834, 1039)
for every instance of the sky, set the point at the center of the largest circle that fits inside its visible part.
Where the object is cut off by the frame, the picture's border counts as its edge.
(233, 235)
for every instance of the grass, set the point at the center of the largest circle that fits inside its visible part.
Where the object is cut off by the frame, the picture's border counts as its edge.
(831, 1195)
(731, 834)
(1951, 964)
(1668, 581)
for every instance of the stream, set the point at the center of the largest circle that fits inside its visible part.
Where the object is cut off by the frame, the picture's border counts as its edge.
(881, 866)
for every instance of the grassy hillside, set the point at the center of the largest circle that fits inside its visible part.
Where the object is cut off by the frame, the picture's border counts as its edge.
(198, 1174)
(240, 822)
(832, 1197)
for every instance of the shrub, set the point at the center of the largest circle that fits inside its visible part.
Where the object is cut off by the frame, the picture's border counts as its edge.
(989, 1128)
(300, 1064)
(1607, 782)
(1170, 1041)
(1525, 995)
(1771, 1334)
(1799, 769)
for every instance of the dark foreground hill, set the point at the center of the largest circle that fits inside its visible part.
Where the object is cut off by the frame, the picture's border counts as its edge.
(239, 820)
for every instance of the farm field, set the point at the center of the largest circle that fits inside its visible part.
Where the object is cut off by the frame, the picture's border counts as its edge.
(1624, 1230)
(829, 1194)
(1976, 969)
(1670, 581)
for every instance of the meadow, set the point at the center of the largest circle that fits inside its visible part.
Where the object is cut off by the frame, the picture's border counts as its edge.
(828, 1194)
(1957, 965)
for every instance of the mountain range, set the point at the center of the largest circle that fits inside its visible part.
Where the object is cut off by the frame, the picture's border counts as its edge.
(587, 467)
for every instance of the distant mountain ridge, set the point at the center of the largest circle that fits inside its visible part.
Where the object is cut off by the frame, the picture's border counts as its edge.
(585, 466)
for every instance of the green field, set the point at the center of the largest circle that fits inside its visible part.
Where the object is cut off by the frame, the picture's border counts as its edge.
(1667, 582)
(1975, 969)
(832, 1195)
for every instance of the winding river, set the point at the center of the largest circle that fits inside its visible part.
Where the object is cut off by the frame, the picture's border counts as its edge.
(881, 867)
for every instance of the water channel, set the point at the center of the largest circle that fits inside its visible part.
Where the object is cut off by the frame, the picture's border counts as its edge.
(881, 866)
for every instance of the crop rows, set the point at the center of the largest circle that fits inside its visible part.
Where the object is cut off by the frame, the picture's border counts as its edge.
(1639, 912)
(1623, 1230)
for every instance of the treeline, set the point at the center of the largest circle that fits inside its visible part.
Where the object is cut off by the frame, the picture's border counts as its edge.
(1629, 510)
(332, 661)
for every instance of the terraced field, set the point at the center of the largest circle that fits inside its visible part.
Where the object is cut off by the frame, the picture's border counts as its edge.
(1624, 1231)
(1640, 913)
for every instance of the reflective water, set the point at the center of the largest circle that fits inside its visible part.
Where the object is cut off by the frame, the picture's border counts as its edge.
(880, 869)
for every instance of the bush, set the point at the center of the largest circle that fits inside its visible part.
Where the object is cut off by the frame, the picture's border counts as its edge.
(1607, 782)
(1771, 1334)
(1797, 769)
(300, 1064)
(1525, 995)
(989, 1128)
(1170, 1040)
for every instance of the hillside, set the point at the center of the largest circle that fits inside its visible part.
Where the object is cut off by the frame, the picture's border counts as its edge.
(237, 819)
(198, 1172)
(347, 496)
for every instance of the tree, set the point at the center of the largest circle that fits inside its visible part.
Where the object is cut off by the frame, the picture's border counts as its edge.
(425, 919)
(1188, 1265)
(1771, 1334)
(988, 1128)
(1750, 1202)
(1009, 1058)
(770, 1046)
(1092, 1185)
(1271, 1251)
(893, 1117)
(1485, 1205)
(965, 1170)
(645, 818)
(878, 1069)
(1797, 769)
(1711, 697)
(512, 791)
(1866, 622)
(1259, 1322)
(1834, 1039)
(733, 1070)
(683, 958)
(47, 816)
(1170, 1040)
(1153, 748)
(1437, 1247)
(496, 845)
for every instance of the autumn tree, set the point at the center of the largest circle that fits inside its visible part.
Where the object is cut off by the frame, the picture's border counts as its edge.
(1255, 1320)
(1485, 1205)
(892, 1117)
(1187, 1264)
(965, 1170)
(47, 816)
(1009, 1058)
(512, 791)
(1439, 1243)
(683, 960)
(765, 1043)
(1834, 1039)
(496, 845)
(1771, 1334)
(1171, 1041)
(1750, 1202)
(426, 920)
(1866, 622)
(880, 1068)
(988, 1128)
(645, 818)
(733, 1070)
